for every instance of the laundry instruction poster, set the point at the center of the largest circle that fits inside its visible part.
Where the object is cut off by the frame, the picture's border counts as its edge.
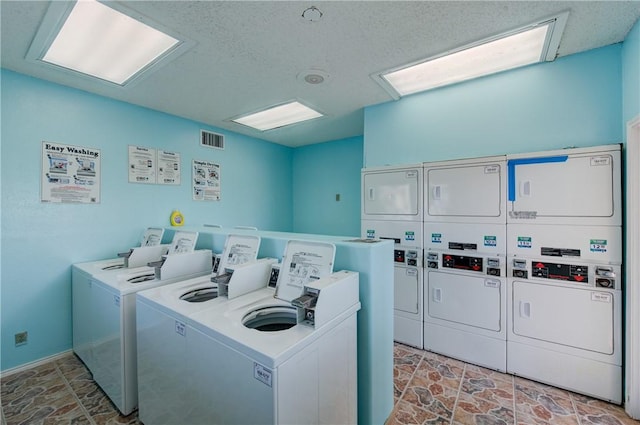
(169, 169)
(206, 181)
(70, 174)
(142, 165)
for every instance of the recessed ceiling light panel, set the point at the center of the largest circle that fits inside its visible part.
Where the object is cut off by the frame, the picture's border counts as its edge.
(99, 41)
(532, 44)
(278, 116)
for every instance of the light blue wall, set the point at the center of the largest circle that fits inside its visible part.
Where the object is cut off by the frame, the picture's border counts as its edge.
(574, 101)
(631, 75)
(41, 241)
(320, 172)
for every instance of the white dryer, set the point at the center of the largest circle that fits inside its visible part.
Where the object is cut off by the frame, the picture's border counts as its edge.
(407, 275)
(566, 326)
(465, 293)
(465, 191)
(564, 261)
(464, 257)
(392, 193)
(293, 361)
(113, 307)
(580, 186)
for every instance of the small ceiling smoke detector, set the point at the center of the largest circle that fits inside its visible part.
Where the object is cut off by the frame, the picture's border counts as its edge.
(313, 76)
(312, 14)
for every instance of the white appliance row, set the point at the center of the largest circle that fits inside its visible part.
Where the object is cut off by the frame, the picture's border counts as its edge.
(261, 343)
(104, 303)
(512, 244)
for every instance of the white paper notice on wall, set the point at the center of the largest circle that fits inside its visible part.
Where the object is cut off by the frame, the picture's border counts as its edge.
(142, 165)
(154, 166)
(70, 174)
(205, 181)
(169, 168)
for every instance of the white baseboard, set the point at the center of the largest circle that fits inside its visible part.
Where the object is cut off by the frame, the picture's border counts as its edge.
(36, 363)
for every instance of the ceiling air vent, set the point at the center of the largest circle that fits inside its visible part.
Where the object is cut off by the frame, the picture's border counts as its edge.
(211, 140)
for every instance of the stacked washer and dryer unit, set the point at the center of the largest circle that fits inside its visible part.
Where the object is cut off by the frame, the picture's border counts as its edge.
(392, 209)
(522, 262)
(564, 232)
(465, 260)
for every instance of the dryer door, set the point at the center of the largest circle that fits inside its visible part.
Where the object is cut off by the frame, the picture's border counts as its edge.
(573, 317)
(468, 300)
(392, 194)
(464, 192)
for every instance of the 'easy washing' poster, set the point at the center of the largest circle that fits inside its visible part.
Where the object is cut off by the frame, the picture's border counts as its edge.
(70, 174)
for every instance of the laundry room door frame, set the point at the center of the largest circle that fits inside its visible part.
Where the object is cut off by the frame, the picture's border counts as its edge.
(632, 363)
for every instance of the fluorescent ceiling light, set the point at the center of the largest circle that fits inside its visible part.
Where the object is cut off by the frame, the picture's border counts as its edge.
(518, 48)
(278, 116)
(104, 43)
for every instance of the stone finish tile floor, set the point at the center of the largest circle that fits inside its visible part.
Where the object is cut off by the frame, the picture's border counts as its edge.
(434, 389)
(428, 389)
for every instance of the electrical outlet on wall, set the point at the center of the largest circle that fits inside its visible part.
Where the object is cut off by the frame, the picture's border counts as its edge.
(21, 338)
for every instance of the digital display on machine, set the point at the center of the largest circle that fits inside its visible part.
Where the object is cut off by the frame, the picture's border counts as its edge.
(462, 262)
(398, 255)
(566, 272)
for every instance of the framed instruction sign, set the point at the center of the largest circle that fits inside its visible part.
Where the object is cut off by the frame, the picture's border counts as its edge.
(70, 174)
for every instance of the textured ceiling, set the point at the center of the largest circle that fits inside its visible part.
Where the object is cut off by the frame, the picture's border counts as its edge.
(249, 55)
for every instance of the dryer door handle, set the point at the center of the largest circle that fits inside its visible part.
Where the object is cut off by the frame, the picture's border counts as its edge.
(437, 295)
(525, 309)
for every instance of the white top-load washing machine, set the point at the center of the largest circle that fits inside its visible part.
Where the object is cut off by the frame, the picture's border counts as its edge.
(161, 316)
(150, 249)
(392, 209)
(290, 352)
(465, 260)
(564, 247)
(114, 317)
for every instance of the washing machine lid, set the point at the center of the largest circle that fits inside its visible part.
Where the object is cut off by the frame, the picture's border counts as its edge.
(239, 249)
(152, 236)
(183, 242)
(304, 261)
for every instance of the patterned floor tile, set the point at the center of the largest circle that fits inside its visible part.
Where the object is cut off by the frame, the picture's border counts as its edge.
(409, 414)
(471, 410)
(536, 401)
(431, 396)
(592, 411)
(443, 370)
(489, 385)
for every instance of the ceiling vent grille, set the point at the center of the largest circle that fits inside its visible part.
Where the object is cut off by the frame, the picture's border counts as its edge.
(211, 140)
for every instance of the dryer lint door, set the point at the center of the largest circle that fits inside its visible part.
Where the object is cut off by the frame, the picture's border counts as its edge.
(564, 187)
(392, 194)
(465, 191)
